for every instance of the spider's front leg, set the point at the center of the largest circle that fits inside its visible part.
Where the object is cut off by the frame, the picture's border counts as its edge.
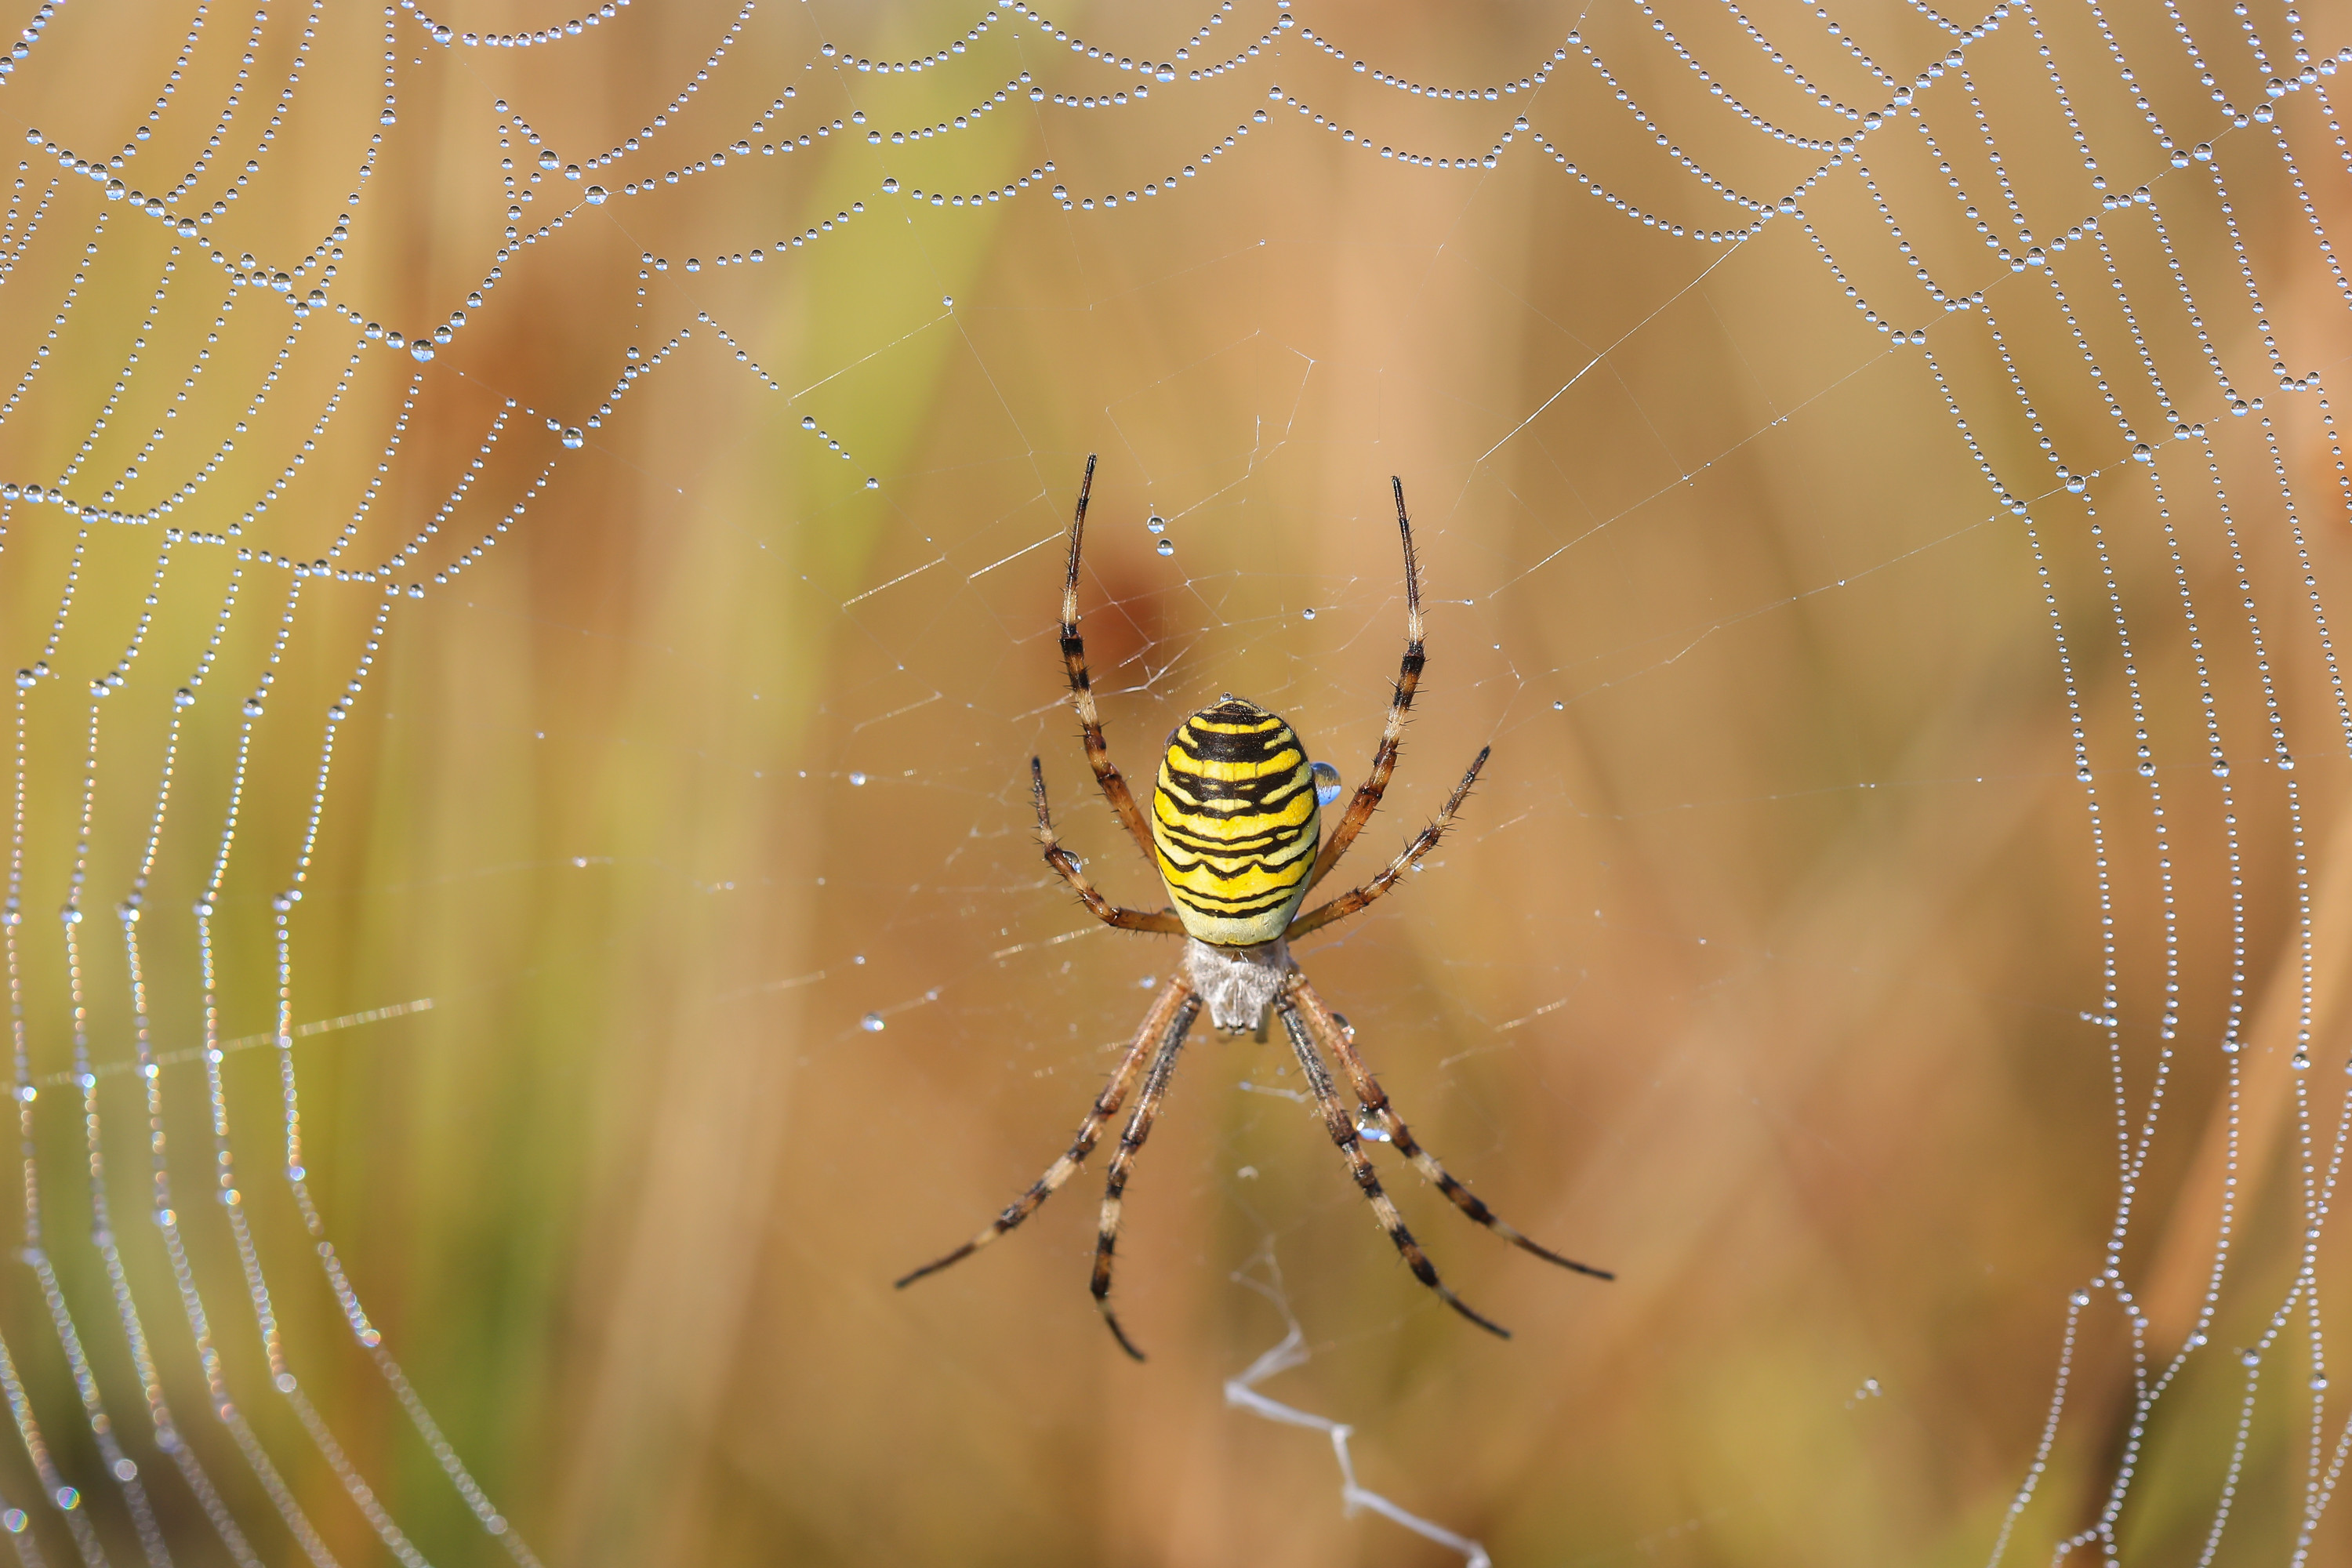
(1324, 1023)
(1342, 1129)
(1171, 1015)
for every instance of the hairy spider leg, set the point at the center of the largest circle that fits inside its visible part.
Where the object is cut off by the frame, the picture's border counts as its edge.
(1122, 1162)
(1384, 755)
(1321, 1023)
(1082, 690)
(1343, 1133)
(1170, 1015)
(1064, 862)
(1355, 899)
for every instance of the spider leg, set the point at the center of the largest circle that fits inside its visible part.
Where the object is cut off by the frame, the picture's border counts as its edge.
(1082, 690)
(1355, 899)
(1384, 755)
(1064, 862)
(1122, 1162)
(1320, 1021)
(1176, 1000)
(1343, 1133)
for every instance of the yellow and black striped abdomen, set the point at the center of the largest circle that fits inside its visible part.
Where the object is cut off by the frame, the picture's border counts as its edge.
(1235, 818)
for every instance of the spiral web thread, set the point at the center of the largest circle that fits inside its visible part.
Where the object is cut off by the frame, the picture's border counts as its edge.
(2081, 245)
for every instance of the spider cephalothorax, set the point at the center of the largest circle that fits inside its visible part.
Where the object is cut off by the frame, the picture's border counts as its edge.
(1232, 831)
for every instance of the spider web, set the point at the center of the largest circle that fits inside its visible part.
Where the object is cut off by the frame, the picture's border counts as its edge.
(532, 547)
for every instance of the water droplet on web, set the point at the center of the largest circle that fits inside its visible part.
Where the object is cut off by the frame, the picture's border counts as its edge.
(1326, 783)
(574, 437)
(873, 1023)
(1167, 547)
(595, 195)
(1308, 613)
(858, 778)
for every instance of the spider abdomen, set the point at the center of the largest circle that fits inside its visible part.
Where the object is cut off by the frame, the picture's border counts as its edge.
(1235, 822)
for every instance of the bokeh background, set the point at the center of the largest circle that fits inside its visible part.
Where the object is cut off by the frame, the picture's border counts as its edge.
(1816, 952)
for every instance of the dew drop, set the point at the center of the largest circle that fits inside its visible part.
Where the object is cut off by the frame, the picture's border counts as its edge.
(596, 196)
(183, 697)
(1368, 1127)
(574, 437)
(1167, 547)
(1156, 524)
(1308, 613)
(1327, 784)
(858, 778)
(873, 1023)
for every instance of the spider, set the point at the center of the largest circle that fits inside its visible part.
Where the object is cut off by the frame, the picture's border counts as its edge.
(1231, 833)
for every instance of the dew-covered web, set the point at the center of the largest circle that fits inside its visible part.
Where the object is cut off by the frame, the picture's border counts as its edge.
(530, 550)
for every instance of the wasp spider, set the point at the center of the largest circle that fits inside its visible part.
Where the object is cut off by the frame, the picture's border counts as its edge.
(1232, 832)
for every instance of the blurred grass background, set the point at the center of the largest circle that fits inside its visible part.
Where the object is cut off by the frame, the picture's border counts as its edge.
(1760, 971)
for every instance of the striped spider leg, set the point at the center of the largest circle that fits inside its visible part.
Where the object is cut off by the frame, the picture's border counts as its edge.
(1342, 1128)
(1355, 899)
(1322, 1024)
(1122, 1162)
(1163, 1031)
(1384, 755)
(1063, 861)
(1082, 689)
